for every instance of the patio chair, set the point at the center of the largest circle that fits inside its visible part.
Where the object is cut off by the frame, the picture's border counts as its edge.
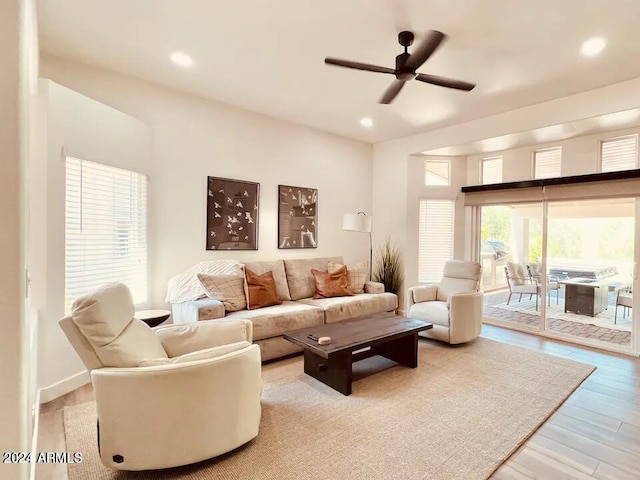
(553, 282)
(520, 283)
(624, 298)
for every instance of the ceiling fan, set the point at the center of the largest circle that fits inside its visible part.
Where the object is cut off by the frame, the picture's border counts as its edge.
(407, 64)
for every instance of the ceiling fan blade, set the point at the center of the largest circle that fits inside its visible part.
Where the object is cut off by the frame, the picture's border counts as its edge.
(425, 49)
(445, 82)
(358, 66)
(392, 91)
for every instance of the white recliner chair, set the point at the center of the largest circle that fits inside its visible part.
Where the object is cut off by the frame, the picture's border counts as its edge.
(166, 397)
(454, 306)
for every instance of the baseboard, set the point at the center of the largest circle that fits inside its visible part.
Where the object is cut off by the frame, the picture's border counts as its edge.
(64, 386)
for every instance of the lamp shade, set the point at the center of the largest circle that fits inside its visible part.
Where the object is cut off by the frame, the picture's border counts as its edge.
(356, 222)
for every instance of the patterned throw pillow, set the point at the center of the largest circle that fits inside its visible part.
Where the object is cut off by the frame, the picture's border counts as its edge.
(261, 290)
(334, 284)
(186, 287)
(229, 289)
(356, 274)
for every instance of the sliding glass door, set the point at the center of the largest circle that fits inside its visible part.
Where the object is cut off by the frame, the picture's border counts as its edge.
(590, 257)
(511, 258)
(562, 268)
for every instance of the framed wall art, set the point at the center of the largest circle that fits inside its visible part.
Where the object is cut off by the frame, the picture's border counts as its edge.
(297, 217)
(232, 214)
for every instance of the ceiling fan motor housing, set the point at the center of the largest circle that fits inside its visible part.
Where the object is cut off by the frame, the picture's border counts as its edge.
(402, 72)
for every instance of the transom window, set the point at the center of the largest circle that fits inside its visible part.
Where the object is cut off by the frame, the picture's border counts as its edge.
(619, 153)
(547, 163)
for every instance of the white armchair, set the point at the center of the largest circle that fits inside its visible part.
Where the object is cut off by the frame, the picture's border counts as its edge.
(166, 397)
(454, 306)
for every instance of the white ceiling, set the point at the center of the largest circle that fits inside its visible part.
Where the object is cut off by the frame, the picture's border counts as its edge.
(268, 56)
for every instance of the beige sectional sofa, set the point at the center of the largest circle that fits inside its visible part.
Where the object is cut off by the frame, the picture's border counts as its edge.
(296, 286)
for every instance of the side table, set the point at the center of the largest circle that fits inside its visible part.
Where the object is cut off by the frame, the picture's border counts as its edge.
(153, 318)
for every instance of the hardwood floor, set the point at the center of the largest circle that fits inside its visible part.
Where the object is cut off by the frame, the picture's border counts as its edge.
(594, 434)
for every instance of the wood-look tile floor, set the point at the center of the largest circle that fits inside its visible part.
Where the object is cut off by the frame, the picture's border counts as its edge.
(594, 434)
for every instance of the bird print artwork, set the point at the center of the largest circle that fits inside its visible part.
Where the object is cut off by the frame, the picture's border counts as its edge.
(297, 217)
(231, 220)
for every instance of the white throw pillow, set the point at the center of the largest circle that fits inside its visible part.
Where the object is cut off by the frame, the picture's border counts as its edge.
(356, 274)
(229, 289)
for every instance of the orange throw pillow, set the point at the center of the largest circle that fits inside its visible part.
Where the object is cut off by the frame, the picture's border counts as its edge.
(334, 284)
(261, 290)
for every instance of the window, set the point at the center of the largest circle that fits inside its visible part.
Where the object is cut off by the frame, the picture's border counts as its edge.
(105, 229)
(547, 162)
(437, 172)
(436, 238)
(619, 154)
(491, 170)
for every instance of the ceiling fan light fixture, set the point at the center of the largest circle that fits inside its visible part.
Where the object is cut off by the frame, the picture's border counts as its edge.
(592, 47)
(366, 122)
(181, 59)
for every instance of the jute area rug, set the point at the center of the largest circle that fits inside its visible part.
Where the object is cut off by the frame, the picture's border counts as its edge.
(459, 415)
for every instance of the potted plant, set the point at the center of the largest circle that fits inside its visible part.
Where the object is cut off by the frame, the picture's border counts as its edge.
(388, 267)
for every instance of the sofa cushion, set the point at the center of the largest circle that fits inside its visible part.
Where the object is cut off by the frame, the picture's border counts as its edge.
(343, 308)
(229, 289)
(434, 312)
(279, 276)
(105, 318)
(278, 319)
(261, 290)
(299, 277)
(357, 274)
(334, 284)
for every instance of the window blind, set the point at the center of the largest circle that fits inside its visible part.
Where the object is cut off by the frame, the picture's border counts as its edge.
(105, 229)
(436, 172)
(619, 154)
(436, 238)
(491, 170)
(547, 163)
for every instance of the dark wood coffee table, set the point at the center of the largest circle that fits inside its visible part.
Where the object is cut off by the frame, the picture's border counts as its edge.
(395, 338)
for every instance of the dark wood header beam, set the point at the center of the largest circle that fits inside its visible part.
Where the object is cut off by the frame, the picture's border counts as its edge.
(592, 177)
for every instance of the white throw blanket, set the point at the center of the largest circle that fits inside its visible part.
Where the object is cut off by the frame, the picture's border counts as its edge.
(186, 287)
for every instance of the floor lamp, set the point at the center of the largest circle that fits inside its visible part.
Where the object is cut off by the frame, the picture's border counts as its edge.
(360, 222)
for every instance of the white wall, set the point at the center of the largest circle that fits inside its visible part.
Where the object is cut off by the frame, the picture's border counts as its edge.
(15, 42)
(580, 155)
(193, 138)
(81, 127)
(391, 159)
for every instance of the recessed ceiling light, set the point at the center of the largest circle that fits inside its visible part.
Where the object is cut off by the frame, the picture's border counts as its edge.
(593, 46)
(366, 122)
(182, 59)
